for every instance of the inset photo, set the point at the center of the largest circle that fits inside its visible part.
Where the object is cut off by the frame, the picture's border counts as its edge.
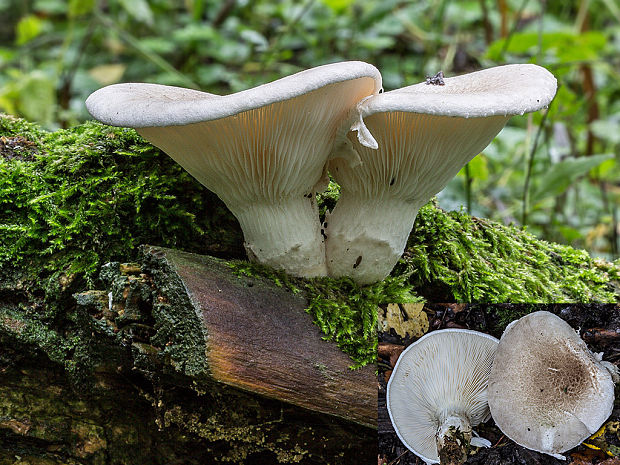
(498, 384)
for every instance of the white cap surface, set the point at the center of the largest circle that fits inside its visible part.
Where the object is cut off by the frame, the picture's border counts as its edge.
(442, 374)
(547, 391)
(139, 105)
(501, 90)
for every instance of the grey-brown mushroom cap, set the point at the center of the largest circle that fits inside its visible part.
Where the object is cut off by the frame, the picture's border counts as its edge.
(139, 105)
(502, 90)
(444, 373)
(547, 391)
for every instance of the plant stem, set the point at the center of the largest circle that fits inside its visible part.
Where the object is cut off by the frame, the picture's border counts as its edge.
(468, 182)
(528, 174)
(514, 27)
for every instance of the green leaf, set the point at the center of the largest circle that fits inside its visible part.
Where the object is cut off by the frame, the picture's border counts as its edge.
(607, 129)
(478, 168)
(80, 7)
(338, 5)
(561, 175)
(36, 96)
(607, 170)
(559, 46)
(138, 10)
(255, 38)
(27, 29)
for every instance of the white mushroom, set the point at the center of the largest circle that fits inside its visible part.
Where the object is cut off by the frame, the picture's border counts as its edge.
(547, 391)
(262, 151)
(438, 392)
(410, 142)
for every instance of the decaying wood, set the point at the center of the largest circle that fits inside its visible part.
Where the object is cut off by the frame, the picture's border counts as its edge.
(260, 339)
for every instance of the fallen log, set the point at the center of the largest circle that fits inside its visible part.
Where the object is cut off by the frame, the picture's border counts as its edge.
(259, 338)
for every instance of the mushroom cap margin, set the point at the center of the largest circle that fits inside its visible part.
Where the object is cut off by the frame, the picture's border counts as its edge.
(502, 90)
(139, 105)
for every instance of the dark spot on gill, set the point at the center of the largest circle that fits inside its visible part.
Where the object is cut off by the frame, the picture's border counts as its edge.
(392, 181)
(357, 262)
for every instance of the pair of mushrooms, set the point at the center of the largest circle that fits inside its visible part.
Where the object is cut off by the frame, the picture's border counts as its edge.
(266, 151)
(541, 384)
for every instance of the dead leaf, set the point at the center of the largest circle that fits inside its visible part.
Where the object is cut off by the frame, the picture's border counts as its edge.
(390, 351)
(406, 320)
(107, 74)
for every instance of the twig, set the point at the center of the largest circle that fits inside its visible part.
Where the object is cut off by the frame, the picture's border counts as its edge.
(223, 13)
(398, 458)
(66, 79)
(514, 27)
(488, 28)
(530, 164)
(613, 239)
(468, 183)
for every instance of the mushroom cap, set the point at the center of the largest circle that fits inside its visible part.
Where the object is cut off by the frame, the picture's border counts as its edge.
(547, 391)
(263, 151)
(501, 90)
(139, 105)
(410, 143)
(443, 373)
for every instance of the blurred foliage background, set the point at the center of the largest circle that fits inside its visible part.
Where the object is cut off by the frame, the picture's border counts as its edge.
(556, 171)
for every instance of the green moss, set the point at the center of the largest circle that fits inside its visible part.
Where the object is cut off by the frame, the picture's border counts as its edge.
(454, 257)
(77, 198)
(345, 312)
(73, 200)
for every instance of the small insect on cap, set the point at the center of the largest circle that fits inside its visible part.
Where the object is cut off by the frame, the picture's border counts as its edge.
(436, 80)
(547, 391)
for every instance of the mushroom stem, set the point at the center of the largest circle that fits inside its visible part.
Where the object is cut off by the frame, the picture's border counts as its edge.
(284, 235)
(366, 237)
(453, 439)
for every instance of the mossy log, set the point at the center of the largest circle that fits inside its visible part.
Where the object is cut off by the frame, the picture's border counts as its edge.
(250, 334)
(178, 360)
(75, 199)
(83, 383)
